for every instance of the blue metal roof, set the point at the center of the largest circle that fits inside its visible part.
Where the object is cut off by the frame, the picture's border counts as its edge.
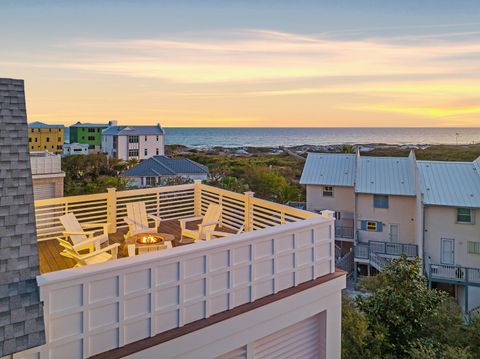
(330, 169)
(386, 175)
(158, 166)
(450, 183)
(133, 130)
(43, 125)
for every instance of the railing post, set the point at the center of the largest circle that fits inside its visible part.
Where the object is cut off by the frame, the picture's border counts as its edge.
(197, 190)
(331, 215)
(249, 211)
(112, 209)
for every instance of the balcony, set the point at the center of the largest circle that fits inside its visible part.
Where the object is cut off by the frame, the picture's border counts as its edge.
(344, 232)
(453, 274)
(377, 253)
(96, 308)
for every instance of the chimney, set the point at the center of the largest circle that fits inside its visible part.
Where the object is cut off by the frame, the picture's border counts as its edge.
(21, 312)
(113, 123)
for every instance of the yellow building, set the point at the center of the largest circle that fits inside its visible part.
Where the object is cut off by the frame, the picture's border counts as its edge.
(43, 137)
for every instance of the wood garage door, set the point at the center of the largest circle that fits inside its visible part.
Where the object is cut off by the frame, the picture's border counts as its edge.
(44, 190)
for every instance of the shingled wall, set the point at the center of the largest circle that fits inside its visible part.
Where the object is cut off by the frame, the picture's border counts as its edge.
(21, 313)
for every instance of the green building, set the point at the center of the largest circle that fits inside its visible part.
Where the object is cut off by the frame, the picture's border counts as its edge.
(88, 133)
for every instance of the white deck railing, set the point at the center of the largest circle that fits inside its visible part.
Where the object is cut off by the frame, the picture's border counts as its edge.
(96, 308)
(170, 202)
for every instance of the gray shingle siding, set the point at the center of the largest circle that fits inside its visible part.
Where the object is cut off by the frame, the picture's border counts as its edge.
(21, 312)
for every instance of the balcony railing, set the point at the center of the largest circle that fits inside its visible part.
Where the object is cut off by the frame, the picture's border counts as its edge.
(344, 232)
(378, 248)
(170, 202)
(453, 273)
(92, 309)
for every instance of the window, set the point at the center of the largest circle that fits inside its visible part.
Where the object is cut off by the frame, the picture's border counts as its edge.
(83, 137)
(132, 139)
(133, 153)
(146, 152)
(48, 139)
(448, 251)
(338, 215)
(328, 191)
(380, 201)
(157, 138)
(473, 247)
(371, 226)
(150, 181)
(91, 138)
(145, 138)
(98, 130)
(91, 129)
(59, 139)
(464, 215)
(158, 151)
(36, 139)
(29, 139)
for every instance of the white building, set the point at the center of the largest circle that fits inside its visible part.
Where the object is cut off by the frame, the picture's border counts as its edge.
(158, 169)
(47, 175)
(387, 205)
(75, 149)
(133, 142)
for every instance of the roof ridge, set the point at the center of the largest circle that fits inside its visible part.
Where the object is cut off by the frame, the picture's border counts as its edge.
(162, 164)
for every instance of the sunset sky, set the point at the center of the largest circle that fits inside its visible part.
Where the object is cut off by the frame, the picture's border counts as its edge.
(246, 63)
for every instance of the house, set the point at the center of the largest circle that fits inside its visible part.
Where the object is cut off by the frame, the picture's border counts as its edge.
(133, 142)
(44, 137)
(158, 169)
(75, 149)
(451, 198)
(47, 175)
(266, 287)
(87, 133)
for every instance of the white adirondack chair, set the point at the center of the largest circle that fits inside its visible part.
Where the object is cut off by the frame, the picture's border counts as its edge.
(137, 219)
(96, 256)
(209, 222)
(77, 233)
(216, 234)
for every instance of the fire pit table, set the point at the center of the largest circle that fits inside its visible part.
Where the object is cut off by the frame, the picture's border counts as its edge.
(148, 242)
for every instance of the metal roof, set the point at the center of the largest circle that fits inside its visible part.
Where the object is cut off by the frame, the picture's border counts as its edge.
(386, 175)
(79, 124)
(158, 166)
(335, 169)
(450, 183)
(43, 125)
(133, 130)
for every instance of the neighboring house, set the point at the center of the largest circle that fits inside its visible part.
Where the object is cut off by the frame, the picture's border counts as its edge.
(87, 133)
(451, 198)
(75, 149)
(330, 184)
(133, 142)
(47, 175)
(157, 169)
(44, 137)
(401, 205)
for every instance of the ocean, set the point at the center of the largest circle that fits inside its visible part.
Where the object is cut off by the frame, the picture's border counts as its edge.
(204, 137)
(272, 137)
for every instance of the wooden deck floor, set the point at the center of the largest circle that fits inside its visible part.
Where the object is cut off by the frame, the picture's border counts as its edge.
(51, 260)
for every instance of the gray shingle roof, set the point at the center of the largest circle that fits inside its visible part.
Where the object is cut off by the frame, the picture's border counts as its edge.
(158, 166)
(386, 175)
(450, 183)
(21, 314)
(133, 130)
(329, 169)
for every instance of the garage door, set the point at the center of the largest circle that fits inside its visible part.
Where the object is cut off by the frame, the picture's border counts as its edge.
(44, 190)
(303, 340)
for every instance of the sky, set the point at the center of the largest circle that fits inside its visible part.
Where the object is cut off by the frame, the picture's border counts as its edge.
(261, 63)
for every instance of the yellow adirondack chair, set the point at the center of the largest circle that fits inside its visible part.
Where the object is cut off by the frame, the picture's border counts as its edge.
(209, 222)
(216, 234)
(77, 233)
(137, 219)
(96, 256)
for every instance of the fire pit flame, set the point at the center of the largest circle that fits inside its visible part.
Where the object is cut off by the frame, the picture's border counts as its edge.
(149, 240)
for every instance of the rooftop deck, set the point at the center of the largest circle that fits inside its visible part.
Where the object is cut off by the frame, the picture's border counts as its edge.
(96, 308)
(51, 260)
